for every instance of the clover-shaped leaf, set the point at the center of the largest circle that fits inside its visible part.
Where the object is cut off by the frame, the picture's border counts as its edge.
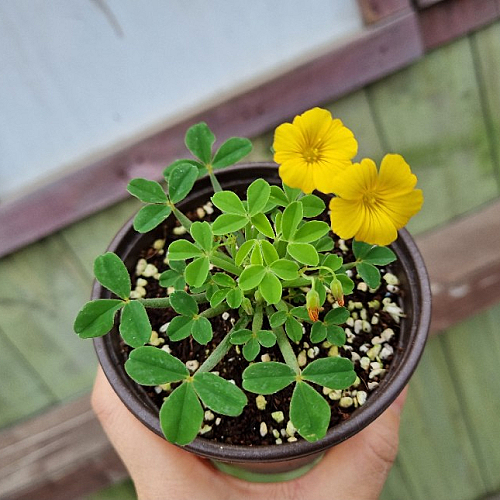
(112, 274)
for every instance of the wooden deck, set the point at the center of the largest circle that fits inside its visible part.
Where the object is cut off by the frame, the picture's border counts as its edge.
(441, 113)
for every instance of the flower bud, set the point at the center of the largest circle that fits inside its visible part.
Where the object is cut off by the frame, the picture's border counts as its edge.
(337, 291)
(313, 304)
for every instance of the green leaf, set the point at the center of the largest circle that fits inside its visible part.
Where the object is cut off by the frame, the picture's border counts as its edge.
(269, 252)
(224, 280)
(147, 191)
(278, 197)
(197, 271)
(251, 349)
(290, 220)
(312, 205)
(293, 329)
(177, 265)
(150, 216)
(243, 251)
(380, 256)
(261, 222)
(181, 180)
(219, 394)
(112, 274)
(96, 318)
(266, 338)
(251, 277)
(360, 249)
(337, 316)
(201, 330)
(234, 298)
(335, 335)
(347, 283)
(218, 297)
(285, 269)
(181, 415)
(311, 231)
(199, 140)
(182, 250)
(227, 201)
(278, 318)
(291, 193)
(135, 327)
(240, 337)
(270, 288)
(267, 378)
(202, 234)
(257, 196)
(318, 332)
(150, 365)
(201, 168)
(179, 328)
(228, 223)
(232, 151)
(333, 372)
(369, 274)
(309, 412)
(324, 244)
(172, 278)
(300, 312)
(333, 262)
(305, 253)
(183, 303)
(277, 222)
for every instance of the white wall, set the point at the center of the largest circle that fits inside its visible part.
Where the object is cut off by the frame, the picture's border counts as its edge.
(79, 78)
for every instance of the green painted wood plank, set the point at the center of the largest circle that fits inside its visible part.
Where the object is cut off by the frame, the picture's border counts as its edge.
(396, 487)
(354, 111)
(436, 450)
(90, 237)
(120, 491)
(41, 289)
(21, 391)
(473, 353)
(431, 113)
(486, 51)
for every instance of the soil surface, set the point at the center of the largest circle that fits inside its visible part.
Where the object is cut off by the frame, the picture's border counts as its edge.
(372, 336)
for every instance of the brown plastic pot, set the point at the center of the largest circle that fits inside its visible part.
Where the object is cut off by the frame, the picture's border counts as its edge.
(289, 460)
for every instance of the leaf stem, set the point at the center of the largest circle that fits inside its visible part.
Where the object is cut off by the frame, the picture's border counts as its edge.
(224, 262)
(223, 347)
(164, 302)
(185, 222)
(285, 347)
(215, 311)
(215, 183)
(258, 318)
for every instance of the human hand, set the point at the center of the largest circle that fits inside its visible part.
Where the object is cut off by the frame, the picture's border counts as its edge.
(353, 470)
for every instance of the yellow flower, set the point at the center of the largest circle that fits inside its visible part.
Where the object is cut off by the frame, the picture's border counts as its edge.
(371, 206)
(312, 150)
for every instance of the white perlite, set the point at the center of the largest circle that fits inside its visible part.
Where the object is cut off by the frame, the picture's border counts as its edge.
(192, 365)
(263, 429)
(278, 416)
(261, 402)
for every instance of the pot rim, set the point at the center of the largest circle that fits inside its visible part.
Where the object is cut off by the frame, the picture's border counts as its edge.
(393, 383)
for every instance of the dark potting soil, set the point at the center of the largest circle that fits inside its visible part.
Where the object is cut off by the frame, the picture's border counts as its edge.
(372, 337)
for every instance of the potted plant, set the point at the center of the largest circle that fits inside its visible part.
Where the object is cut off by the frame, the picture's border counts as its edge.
(248, 322)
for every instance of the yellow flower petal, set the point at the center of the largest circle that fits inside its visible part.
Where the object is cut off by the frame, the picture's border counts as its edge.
(297, 175)
(377, 229)
(395, 176)
(356, 180)
(401, 208)
(346, 217)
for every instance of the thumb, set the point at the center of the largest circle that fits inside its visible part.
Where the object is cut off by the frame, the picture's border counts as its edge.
(365, 459)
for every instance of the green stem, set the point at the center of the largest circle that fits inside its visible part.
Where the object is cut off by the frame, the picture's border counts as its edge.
(223, 347)
(215, 311)
(296, 283)
(164, 302)
(215, 183)
(226, 263)
(185, 222)
(284, 345)
(258, 318)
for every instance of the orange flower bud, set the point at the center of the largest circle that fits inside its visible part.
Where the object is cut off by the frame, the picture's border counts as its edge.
(337, 291)
(312, 304)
